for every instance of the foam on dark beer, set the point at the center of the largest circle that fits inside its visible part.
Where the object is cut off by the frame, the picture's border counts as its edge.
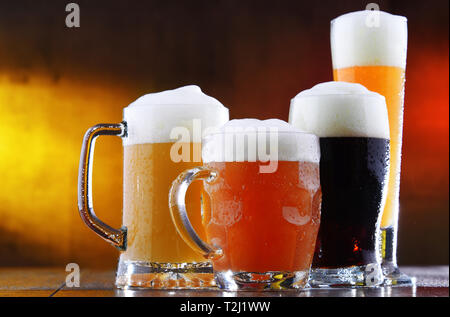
(339, 109)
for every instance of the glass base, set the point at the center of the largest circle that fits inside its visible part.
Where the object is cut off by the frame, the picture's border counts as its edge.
(369, 275)
(393, 276)
(251, 281)
(140, 274)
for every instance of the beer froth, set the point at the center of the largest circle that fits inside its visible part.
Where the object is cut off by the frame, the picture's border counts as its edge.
(338, 109)
(152, 117)
(369, 38)
(250, 140)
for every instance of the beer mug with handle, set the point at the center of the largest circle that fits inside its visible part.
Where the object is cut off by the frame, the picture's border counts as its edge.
(161, 136)
(261, 213)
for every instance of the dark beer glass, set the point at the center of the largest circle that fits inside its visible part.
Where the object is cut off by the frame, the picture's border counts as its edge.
(354, 140)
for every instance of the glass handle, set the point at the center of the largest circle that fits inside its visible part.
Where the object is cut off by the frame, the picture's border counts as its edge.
(179, 214)
(117, 237)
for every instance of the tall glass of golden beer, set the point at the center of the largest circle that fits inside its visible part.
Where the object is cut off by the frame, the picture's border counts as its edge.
(369, 48)
(161, 136)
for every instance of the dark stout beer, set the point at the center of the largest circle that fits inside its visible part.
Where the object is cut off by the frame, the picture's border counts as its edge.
(353, 177)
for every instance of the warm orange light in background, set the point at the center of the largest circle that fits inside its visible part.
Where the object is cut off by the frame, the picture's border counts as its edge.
(43, 122)
(426, 140)
(425, 162)
(57, 82)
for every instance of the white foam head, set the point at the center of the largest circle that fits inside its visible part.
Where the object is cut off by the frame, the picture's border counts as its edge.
(369, 38)
(151, 118)
(250, 140)
(339, 109)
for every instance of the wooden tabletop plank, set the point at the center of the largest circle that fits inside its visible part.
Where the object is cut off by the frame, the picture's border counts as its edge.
(336, 292)
(38, 282)
(31, 279)
(26, 293)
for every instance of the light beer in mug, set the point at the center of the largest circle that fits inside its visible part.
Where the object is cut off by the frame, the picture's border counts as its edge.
(161, 134)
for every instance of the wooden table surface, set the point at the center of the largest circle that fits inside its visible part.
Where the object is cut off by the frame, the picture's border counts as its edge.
(19, 282)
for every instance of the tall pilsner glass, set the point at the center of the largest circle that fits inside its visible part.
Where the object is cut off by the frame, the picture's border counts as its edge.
(369, 48)
(161, 135)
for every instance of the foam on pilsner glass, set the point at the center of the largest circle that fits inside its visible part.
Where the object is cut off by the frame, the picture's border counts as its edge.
(340, 109)
(224, 145)
(369, 38)
(151, 118)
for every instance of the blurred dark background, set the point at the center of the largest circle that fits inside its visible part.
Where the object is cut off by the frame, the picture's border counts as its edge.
(253, 56)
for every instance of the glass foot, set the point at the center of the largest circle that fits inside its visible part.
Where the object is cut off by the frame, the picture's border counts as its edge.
(139, 274)
(394, 277)
(251, 281)
(369, 275)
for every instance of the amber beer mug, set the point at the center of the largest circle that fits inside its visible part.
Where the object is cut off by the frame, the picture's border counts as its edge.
(155, 129)
(369, 47)
(261, 218)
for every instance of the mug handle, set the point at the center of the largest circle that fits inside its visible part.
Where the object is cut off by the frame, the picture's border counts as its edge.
(117, 237)
(177, 206)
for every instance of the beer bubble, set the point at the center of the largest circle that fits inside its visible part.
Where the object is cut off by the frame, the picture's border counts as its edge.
(230, 212)
(309, 177)
(296, 216)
